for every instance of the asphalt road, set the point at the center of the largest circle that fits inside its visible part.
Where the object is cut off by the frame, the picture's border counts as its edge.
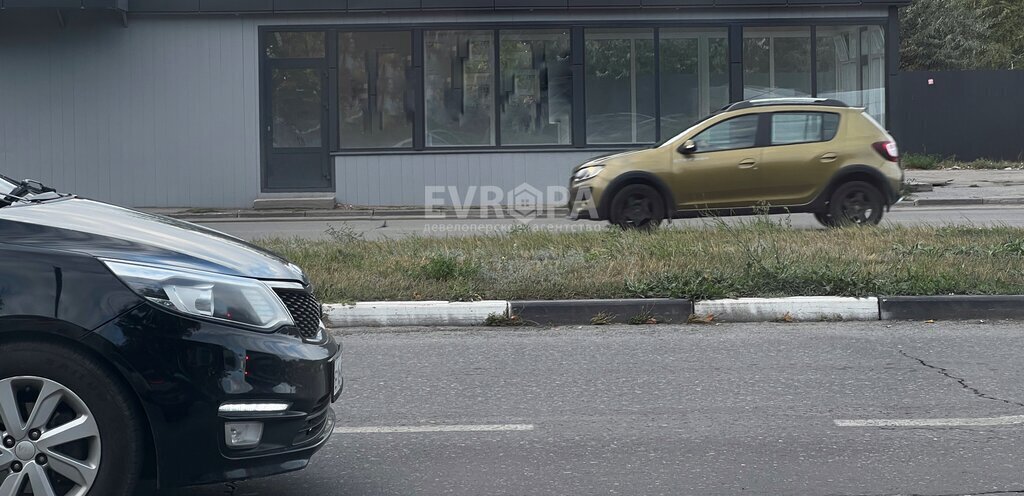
(395, 228)
(675, 410)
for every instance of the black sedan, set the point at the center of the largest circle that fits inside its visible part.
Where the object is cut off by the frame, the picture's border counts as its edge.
(135, 344)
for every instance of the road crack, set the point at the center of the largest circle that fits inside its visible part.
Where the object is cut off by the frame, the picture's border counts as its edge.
(988, 493)
(963, 382)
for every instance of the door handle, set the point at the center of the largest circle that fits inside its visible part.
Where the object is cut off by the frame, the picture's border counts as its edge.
(748, 163)
(828, 157)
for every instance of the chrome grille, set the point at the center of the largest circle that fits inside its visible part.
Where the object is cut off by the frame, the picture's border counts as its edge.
(305, 310)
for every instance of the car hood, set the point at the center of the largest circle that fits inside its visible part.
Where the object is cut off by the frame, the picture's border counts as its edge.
(108, 231)
(606, 159)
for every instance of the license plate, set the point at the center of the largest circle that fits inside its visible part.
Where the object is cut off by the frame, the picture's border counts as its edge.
(339, 380)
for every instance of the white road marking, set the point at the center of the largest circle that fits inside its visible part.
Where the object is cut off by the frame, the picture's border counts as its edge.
(939, 422)
(433, 428)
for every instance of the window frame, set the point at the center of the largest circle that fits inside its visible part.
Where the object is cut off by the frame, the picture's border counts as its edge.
(771, 126)
(576, 29)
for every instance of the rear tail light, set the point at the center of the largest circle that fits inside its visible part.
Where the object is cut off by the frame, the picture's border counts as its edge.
(888, 150)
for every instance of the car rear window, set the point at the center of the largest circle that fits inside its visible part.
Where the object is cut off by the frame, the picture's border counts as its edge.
(790, 128)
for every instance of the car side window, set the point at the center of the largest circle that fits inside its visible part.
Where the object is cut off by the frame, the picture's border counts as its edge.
(790, 128)
(733, 134)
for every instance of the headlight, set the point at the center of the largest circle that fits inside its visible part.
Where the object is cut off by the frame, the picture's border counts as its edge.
(205, 294)
(587, 173)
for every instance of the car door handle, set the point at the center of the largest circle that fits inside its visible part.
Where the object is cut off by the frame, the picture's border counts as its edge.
(828, 157)
(748, 163)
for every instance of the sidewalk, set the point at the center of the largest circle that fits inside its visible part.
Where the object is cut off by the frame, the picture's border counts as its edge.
(947, 188)
(968, 187)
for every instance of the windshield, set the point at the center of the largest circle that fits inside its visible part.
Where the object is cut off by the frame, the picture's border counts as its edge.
(697, 123)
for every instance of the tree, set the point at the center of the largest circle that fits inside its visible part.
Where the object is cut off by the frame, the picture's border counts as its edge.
(1006, 35)
(946, 34)
(962, 34)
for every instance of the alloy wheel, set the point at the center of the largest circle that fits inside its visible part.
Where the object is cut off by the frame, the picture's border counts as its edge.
(639, 211)
(857, 207)
(49, 439)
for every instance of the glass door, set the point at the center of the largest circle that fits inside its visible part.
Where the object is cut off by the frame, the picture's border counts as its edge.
(294, 117)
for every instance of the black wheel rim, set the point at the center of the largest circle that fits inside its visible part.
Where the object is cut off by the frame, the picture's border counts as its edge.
(857, 207)
(638, 210)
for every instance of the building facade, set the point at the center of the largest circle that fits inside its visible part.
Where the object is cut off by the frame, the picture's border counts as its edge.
(215, 103)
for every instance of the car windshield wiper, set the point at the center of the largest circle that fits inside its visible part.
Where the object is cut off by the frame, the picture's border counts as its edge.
(28, 187)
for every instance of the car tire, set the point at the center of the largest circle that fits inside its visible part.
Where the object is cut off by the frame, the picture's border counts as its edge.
(856, 203)
(92, 420)
(638, 206)
(825, 219)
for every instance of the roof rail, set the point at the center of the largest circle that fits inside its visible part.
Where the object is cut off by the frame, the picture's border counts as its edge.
(764, 102)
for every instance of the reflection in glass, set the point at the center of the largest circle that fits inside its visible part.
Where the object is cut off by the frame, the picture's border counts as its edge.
(694, 76)
(620, 86)
(458, 87)
(536, 87)
(851, 66)
(295, 110)
(375, 101)
(295, 45)
(735, 133)
(776, 62)
(803, 127)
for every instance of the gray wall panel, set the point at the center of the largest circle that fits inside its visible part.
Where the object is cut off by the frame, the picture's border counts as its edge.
(161, 113)
(403, 179)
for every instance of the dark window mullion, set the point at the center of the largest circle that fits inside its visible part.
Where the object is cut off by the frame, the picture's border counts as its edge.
(419, 126)
(657, 84)
(333, 91)
(814, 61)
(735, 63)
(579, 116)
(496, 87)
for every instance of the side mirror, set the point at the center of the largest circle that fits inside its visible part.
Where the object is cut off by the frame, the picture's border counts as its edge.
(688, 147)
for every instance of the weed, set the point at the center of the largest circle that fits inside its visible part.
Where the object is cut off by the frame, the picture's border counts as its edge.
(921, 161)
(603, 318)
(502, 320)
(343, 234)
(645, 317)
(447, 266)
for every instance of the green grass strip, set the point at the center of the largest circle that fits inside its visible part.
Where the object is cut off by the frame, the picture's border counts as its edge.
(755, 258)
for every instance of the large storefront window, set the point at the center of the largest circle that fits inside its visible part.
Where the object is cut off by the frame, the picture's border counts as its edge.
(536, 87)
(620, 86)
(851, 66)
(499, 87)
(694, 76)
(459, 88)
(376, 99)
(776, 62)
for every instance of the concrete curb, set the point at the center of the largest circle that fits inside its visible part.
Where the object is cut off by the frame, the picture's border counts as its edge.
(800, 308)
(353, 214)
(412, 214)
(676, 311)
(951, 307)
(413, 313)
(564, 312)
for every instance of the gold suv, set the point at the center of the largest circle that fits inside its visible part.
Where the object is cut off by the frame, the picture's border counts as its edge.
(777, 155)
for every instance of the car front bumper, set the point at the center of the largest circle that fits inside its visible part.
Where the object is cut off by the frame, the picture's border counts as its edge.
(183, 370)
(582, 205)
